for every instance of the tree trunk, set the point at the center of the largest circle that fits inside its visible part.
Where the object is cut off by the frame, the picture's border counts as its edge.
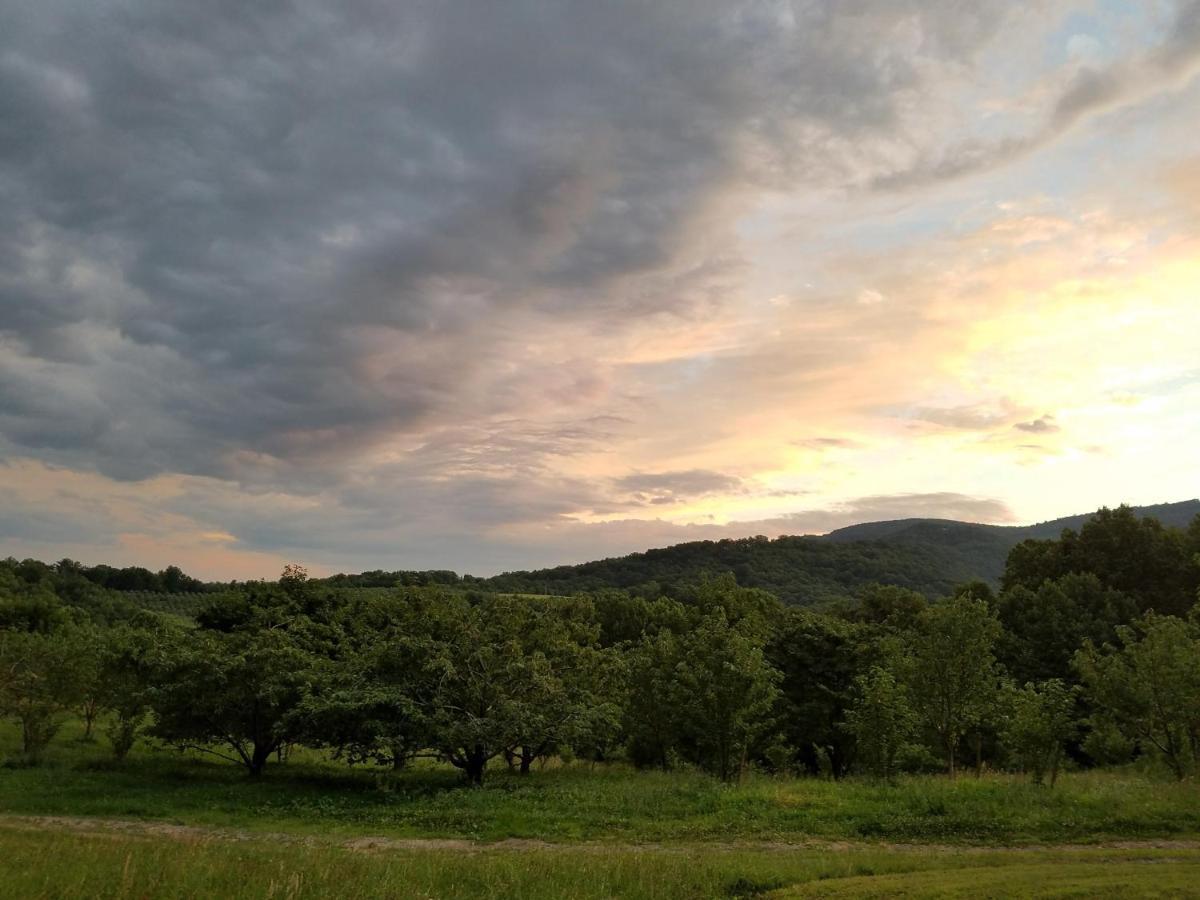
(527, 757)
(839, 765)
(399, 758)
(258, 759)
(810, 760)
(476, 761)
(978, 754)
(90, 709)
(950, 757)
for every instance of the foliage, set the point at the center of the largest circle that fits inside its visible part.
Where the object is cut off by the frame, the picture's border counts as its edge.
(1139, 557)
(1043, 627)
(818, 658)
(1149, 687)
(38, 683)
(130, 657)
(236, 689)
(726, 691)
(881, 719)
(928, 556)
(952, 675)
(704, 671)
(1041, 722)
(653, 721)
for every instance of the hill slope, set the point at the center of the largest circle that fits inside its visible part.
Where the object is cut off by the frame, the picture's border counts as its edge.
(927, 555)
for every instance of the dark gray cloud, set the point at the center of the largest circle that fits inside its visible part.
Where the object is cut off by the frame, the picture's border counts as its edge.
(206, 209)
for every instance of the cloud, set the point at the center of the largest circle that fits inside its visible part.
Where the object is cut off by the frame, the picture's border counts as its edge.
(448, 284)
(827, 443)
(1090, 90)
(975, 417)
(661, 488)
(1040, 425)
(306, 234)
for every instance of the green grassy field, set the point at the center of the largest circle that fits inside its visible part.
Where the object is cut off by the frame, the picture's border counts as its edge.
(571, 831)
(105, 864)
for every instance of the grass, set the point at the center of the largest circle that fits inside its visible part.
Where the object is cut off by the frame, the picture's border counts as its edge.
(105, 865)
(611, 832)
(311, 794)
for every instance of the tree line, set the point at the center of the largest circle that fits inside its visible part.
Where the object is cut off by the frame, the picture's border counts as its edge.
(1088, 655)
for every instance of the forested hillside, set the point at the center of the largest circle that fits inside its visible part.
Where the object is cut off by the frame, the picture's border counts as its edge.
(925, 555)
(1088, 649)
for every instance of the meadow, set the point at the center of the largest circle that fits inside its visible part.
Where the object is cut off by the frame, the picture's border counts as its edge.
(166, 824)
(104, 864)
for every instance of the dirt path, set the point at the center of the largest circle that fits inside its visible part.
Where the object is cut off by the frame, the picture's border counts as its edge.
(100, 828)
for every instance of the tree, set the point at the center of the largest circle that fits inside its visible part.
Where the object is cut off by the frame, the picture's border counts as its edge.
(88, 644)
(1041, 722)
(1043, 627)
(1149, 687)
(881, 720)
(241, 690)
(30, 607)
(374, 704)
(565, 676)
(129, 657)
(652, 718)
(1137, 556)
(889, 605)
(38, 684)
(486, 685)
(726, 692)
(953, 678)
(818, 657)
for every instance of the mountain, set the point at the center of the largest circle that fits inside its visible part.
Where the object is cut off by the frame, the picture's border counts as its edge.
(926, 555)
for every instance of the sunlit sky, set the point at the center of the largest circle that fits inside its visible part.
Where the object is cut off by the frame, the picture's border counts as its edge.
(485, 286)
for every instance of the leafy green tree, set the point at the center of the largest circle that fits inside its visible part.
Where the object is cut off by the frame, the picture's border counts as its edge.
(976, 590)
(374, 705)
(565, 674)
(503, 678)
(624, 619)
(1139, 557)
(29, 607)
(1149, 688)
(1041, 722)
(596, 733)
(890, 605)
(881, 719)
(1043, 627)
(652, 718)
(818, 657)
(38, 684)
(952, 677)
(89, 644)
(726, 691)
(240, 690)
(130, 656)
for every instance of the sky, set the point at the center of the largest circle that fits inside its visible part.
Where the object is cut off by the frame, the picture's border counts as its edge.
(484, 286)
